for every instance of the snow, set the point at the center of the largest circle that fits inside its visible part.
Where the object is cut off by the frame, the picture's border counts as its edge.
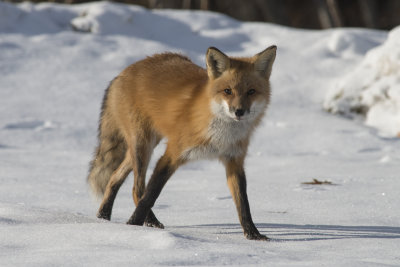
(57, 60)
(372, 88)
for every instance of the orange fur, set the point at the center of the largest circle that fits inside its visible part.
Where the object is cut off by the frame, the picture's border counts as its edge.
(203, 113)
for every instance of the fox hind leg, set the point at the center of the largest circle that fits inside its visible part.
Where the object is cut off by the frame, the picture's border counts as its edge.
(117, 179)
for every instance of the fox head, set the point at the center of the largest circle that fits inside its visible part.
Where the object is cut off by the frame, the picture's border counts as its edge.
(239, 87)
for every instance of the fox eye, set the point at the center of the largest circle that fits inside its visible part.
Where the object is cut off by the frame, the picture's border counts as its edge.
(228, 91)
(251, 91)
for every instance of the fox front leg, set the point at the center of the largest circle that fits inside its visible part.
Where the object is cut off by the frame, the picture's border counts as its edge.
(237, 185)
(162, 172)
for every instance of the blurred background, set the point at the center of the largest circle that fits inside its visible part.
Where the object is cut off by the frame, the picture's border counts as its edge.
(309, 14)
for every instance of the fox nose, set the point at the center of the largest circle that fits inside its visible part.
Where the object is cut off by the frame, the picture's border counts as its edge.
(239, 112)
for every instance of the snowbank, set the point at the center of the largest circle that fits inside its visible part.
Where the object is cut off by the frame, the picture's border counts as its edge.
(372, 89)
(30, 19)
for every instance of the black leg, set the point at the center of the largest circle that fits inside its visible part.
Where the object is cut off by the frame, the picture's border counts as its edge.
(141, 161)
(237, 185)
(115, 182)
(162, 172)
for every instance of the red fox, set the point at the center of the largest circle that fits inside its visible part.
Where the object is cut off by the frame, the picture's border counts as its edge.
(202, 113)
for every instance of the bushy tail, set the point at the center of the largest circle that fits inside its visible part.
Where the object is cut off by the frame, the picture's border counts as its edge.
(109, 154)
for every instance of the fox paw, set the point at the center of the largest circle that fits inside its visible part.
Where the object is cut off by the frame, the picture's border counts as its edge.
(104, 215)
(154, 223)
(256, 236)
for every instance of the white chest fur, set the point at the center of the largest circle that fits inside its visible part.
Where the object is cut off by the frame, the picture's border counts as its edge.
(224, 135)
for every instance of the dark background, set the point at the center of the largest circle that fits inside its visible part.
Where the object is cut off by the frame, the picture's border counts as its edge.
(310, 14)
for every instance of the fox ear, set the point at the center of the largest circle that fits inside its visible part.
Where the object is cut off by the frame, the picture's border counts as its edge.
(263, 61)
(217, 62)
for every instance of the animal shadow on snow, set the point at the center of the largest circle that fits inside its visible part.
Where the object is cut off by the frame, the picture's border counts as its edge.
(293, 232)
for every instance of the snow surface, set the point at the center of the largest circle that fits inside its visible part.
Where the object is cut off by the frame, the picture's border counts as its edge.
(56, 61)
(373, 88)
